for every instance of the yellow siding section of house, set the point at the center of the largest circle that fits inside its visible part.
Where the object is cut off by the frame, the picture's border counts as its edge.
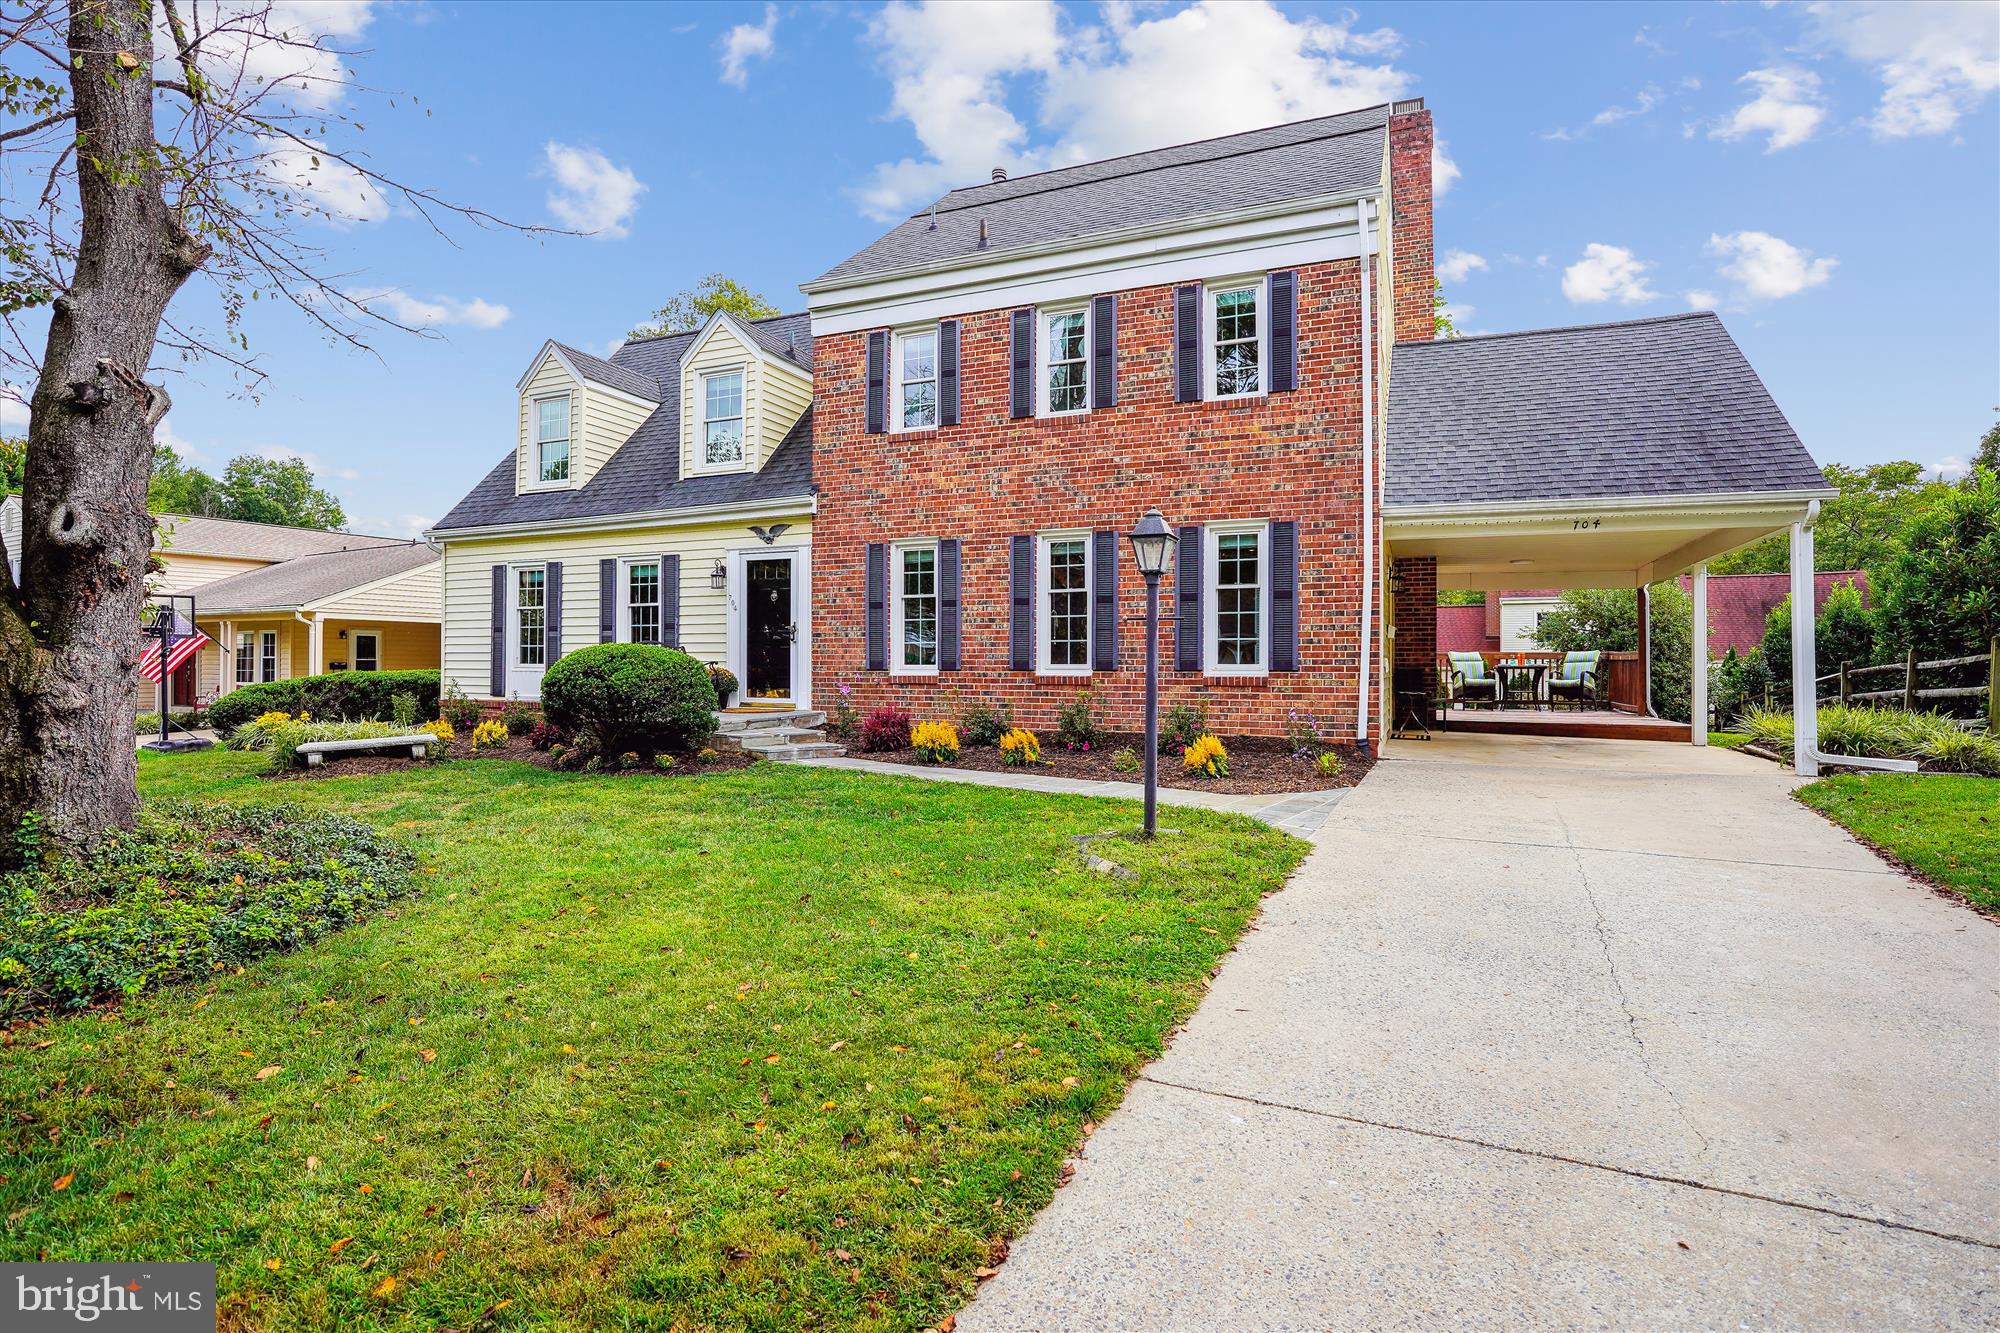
(787, 395)
(185, 573)
(550, 377)
(774, 397)
(415, 595)
(704, 611)
(404, 647)
(609, 421)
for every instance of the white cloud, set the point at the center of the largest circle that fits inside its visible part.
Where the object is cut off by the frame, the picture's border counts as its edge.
(1444, 171)
(321, 470)
(1607, 273)
(1951, 468)
(747, 42)
(1701, 299)
(1768, 268)
(1458, 265)
(294, 47)
(1786, 109)
(407, 526)
(592, 194)
(183, 448)
(1648, 98)
(13, 414)
(477, 313)
(1937, 62)
(1460, 316)
(322, 187)
(1098, 88)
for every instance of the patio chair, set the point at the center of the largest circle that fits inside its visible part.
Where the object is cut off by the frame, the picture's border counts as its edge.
(1471, 683)
(1576, 680)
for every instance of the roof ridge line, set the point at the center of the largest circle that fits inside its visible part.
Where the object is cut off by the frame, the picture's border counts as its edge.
(689, 333)
(1562, 328)
(1165, 166)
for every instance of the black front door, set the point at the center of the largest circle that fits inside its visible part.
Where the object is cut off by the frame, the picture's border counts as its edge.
(770, 628)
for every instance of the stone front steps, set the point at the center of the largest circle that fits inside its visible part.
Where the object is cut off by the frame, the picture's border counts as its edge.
(775, 733)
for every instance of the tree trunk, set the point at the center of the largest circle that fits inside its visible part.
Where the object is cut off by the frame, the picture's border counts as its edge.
(69, 636)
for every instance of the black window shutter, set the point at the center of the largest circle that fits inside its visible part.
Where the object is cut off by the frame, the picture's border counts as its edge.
(1021, 384)
(670, 601)
(607, 601)
(878, 607)
(1187, 601)
(1104, 352)
(877, 410)
(947, 372)
(1021, 608)
(947, 590)
(1103, 601)
(552, 613)
(496, 682)
(1284, 331)
(1284, 541)
(1187, 343)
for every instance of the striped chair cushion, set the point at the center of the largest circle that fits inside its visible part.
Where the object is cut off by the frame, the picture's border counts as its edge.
(1576, 665)
(1470, 666)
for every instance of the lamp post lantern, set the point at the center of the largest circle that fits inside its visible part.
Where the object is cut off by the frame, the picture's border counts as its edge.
(1153, 545)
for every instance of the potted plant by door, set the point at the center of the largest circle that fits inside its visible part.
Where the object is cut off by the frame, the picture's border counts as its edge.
(724, 681)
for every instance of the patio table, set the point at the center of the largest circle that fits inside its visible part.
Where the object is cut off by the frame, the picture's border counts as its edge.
(1521, 683)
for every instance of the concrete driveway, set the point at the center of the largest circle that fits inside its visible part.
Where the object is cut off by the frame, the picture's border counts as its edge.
(1557, 1032)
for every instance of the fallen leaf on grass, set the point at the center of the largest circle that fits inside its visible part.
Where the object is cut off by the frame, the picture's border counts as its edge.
(340, 1245)
(268, 1071)
(843, 1256)
(273, 1264)
(367, 1189)
(1070, 1082)
(385, 1288)
(771, 1059)
(62, 1182)
(312, 1163)
(428, 1056)
(983, 1272)
(837, 1045)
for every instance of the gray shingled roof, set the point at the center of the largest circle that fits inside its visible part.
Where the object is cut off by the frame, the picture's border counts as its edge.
(309, 578)
(642, 476)
(1330, 155)
(1647, 407)
(611, 373)
(197, 534)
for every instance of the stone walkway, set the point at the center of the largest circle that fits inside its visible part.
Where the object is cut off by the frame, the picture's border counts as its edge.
(1300, 813)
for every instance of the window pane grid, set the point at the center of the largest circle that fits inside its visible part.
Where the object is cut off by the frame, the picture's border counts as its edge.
(642, 603)
(268, 658)
(1069, 605)
(552, 439)
(1068, 372)
(1239, 635)
(529, 636)
(918, 377)
(919, 606)
(1236, 346)
(722, 418)
(246, 659)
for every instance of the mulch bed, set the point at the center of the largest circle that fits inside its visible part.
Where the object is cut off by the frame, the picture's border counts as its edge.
(1257, 765)
(517, 748)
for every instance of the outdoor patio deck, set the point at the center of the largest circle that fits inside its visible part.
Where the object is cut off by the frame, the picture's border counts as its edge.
(1601, 724)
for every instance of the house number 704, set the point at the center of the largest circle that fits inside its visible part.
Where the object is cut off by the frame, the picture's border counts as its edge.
(1579, 524)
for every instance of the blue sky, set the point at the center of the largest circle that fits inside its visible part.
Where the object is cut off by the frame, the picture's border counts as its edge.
(1826, 177)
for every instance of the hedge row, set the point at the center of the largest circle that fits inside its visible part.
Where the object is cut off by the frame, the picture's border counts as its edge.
(352, 696)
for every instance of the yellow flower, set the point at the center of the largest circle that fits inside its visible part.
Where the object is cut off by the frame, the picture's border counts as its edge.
(935, 742)
(1206, 757)
(1019, 747)
(273, 718)
(489, 733)
(440, 729)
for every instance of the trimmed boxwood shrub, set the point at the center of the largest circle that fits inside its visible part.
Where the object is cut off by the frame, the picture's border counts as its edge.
(192, 889)
(631, 696)
(338, 696)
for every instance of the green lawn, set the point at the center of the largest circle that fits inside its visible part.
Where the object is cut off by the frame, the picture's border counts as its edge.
(780, 1048)
(1944, 825)
(1728, 740)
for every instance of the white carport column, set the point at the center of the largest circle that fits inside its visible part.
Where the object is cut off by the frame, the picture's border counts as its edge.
(315, 646)
(1805, 671)
(1700, 677)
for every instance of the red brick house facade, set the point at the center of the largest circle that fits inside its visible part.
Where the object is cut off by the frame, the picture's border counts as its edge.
(981, 495)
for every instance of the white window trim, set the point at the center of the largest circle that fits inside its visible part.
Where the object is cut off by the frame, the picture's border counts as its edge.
(1042, 345)
(625, 593)
(895, 405)
(243, 670)
(699, 460)
(1211, 600)
(534, 480)
(897, 667)
(1043, 665)
(354, 633)
(514, 662)
(270, 638)
(1209, 290)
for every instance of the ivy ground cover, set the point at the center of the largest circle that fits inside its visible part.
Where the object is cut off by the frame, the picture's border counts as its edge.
(774, 1048)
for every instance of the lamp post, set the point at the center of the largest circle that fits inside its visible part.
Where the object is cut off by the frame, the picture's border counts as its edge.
(1153, 545)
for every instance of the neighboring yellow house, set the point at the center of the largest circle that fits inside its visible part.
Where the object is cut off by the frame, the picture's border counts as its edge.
(662, 496)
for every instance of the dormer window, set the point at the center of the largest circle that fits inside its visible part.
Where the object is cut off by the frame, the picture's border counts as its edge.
(722, 418)
(552, 439)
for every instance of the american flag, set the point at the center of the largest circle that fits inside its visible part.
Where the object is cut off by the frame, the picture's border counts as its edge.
(188, 640)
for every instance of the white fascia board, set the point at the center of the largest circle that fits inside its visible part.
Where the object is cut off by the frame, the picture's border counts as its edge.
(1301, 232)
(763, 355)
(776, 507)
(1472, 513)
(548, 350)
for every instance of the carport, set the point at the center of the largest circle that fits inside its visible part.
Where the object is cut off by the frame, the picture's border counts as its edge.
(1600, 456)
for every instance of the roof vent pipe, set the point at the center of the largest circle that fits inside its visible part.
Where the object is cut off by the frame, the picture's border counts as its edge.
(982, 233)
(933, 226)
(999, 174)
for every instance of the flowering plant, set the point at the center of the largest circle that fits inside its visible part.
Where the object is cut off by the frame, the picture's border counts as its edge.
(935, 742)
(274, 717)
(843, 721)
(440, 729)
(489, 733)
(1019, 748)
(1206, 758)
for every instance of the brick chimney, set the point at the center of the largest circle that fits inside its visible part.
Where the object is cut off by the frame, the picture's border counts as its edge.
(1410, 219)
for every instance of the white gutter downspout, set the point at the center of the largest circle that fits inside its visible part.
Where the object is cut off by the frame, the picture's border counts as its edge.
(1370, 668)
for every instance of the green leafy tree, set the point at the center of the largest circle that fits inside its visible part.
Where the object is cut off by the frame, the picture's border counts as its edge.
(13, 466)
(1461, 597)
(1940, 594)
(277, 490)
(1443, 327)
(1862, 527)
(1607, 619)
(1843, 632)
(691, 307)
(181, 488)
(1989, 450)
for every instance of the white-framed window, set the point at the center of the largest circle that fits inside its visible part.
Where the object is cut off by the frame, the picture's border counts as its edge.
(267, 657)
(1235, 338)
(552, 440)
(913, 401)
(913, 609)
(1064, 351)
(1238, 596)
(642, 601)
(246, 657)
(1062, 610)
(722, 418)
(530, 616)
(364, 651)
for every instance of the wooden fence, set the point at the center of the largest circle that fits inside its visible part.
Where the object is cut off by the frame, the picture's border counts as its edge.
(1902, 684)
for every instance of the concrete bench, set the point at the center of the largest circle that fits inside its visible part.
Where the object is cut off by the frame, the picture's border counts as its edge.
(316, 752)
